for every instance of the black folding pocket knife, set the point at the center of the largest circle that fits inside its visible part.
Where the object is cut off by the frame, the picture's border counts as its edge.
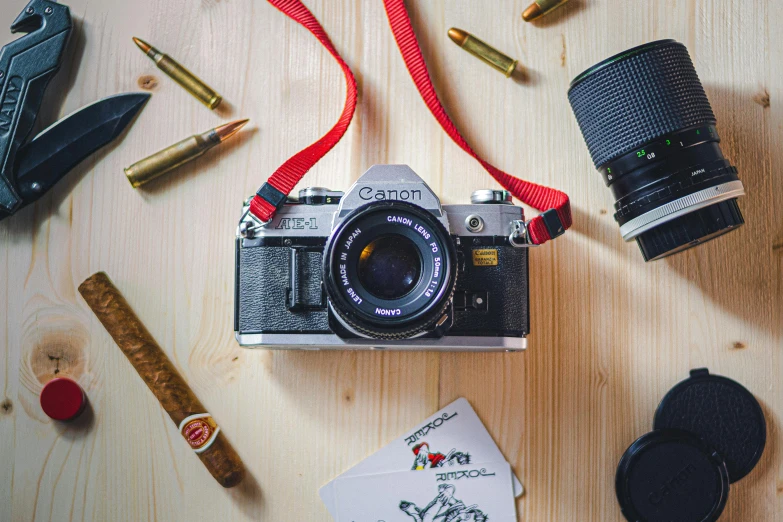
(28, 170)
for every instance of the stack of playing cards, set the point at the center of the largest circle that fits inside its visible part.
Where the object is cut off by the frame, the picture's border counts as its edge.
(447, 469)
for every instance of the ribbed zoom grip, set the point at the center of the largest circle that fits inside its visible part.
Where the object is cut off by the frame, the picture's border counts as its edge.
(637, 96)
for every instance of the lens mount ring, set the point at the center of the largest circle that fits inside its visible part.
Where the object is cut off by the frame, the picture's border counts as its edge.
(680, 207)
(376, 305)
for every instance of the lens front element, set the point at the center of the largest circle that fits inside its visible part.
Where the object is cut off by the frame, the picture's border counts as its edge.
(389, 270)
(390, 266)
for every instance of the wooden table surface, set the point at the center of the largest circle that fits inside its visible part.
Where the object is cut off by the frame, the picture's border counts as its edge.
(610, 334)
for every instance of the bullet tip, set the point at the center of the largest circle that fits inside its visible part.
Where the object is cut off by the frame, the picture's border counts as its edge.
(224, 132)
(144, 46)
(532, 12)
(458, 36)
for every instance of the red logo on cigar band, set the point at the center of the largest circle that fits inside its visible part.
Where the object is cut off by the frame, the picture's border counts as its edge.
(198, 432)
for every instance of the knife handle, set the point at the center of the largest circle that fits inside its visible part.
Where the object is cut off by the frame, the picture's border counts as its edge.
(26, 66)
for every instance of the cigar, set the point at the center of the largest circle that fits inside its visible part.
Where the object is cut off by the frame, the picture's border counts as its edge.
(163, 379)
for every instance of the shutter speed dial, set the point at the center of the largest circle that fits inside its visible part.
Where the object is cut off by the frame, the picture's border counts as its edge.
(319, 196)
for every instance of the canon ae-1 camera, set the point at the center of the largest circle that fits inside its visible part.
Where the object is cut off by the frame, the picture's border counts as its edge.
(384, 265)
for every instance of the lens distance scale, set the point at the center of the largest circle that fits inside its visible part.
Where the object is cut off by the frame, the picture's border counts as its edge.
(657, 150)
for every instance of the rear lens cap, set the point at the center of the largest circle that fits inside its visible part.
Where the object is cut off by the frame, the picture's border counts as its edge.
(690, 230)
(720, 411)
(669, 475)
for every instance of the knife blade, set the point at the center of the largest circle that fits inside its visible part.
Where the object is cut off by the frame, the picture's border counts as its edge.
(62, 146)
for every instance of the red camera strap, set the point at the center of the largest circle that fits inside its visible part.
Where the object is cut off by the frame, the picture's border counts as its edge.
(272, 195)
(554, 204)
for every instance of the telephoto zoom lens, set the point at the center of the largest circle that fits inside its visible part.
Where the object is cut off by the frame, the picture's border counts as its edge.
(651, 133)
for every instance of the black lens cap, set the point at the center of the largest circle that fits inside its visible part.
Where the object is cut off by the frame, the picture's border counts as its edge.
(720, 411)
(671, 475)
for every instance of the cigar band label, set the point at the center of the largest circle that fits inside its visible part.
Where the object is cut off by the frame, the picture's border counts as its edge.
(200, 431)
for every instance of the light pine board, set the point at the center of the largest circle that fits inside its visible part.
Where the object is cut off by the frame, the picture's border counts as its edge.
(610, 334)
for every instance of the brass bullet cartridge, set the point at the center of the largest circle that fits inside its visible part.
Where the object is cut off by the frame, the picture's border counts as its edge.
(482, 51)
(540, 8)
(200, 90)
(180, 153)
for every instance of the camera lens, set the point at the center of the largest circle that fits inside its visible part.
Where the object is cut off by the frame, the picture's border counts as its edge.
(389, 267)
(651, 133)
(389, 270)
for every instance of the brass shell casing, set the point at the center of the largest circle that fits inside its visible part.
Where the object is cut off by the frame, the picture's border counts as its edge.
(170, 158)
(540, 8)
(548, 5)
(200, 90)
(489, 55)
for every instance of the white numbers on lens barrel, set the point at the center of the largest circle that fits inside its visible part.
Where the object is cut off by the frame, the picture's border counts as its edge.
(435, 276)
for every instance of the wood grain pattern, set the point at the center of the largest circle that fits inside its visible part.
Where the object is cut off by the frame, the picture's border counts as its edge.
(611, 334)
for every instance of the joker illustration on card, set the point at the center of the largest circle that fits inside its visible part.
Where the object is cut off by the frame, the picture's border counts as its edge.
(444, 508)
(424, 459)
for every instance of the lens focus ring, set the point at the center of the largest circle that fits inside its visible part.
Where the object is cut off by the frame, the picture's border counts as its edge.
(638, 96)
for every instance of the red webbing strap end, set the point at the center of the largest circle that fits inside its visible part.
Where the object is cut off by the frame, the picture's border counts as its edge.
(556, 217)
(272, 195)
(267, 201)
(550, 224)
(262, 209)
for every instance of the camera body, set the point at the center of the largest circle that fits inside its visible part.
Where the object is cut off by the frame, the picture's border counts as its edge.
(384, 266)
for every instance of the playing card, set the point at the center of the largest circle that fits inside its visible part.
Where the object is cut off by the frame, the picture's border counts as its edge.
(454, 436)
(457, 494)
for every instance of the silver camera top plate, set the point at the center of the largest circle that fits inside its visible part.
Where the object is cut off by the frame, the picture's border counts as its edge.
(378, 183)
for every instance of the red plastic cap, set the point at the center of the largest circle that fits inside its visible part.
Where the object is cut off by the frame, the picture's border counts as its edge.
(62, 399)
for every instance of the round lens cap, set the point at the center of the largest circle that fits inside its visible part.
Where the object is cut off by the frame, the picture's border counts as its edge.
(671, 475)
(723, 413)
